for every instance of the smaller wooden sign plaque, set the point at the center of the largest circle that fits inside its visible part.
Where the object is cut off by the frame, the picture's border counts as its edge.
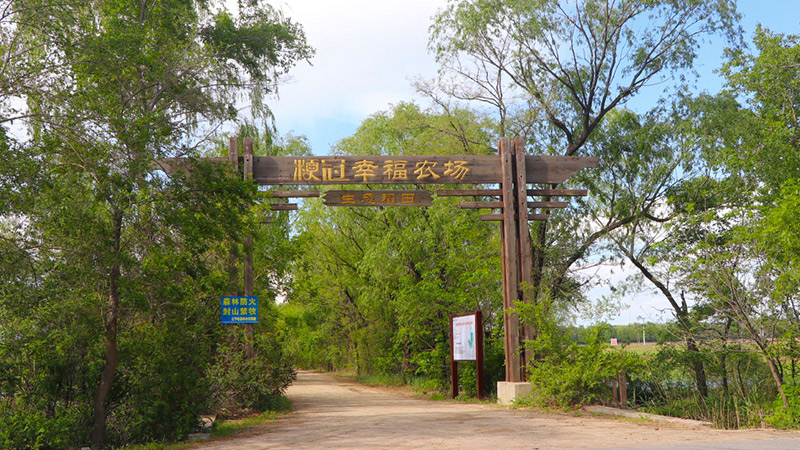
(378, 198)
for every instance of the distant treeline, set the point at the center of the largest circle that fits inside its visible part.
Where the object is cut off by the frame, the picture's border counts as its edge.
(648, 332)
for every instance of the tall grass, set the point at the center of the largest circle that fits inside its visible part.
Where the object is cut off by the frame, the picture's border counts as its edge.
(731, 412)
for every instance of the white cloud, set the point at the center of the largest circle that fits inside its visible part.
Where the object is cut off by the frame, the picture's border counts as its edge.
(366, 54)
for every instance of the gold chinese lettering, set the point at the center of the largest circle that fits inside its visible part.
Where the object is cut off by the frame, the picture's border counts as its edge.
(407, 198)
(395, 169)
(348, 199)
(368, 198)
(425, 169)
(388, 199)
(306, 170)
(333, 170)
(364, 169)
(456, 169)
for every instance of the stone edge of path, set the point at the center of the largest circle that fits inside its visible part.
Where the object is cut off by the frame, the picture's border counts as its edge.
(646, 416)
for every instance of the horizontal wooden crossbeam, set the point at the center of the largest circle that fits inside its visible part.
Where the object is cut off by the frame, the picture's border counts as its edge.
(547, 204)
(406, 169)
(478, 205)
(409, 169)
(499, 217)
(292, 194)
(559, 192)
(469, 192)
(499, 192)
(283, 206)
(499, 205)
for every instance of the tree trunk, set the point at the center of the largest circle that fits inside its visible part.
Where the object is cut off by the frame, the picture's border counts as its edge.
(724, 363)
(699, 369)
(776, 376)
(107, 377)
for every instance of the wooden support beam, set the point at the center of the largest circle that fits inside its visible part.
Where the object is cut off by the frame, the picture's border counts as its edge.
(499, 217)
(233, 253)
(469, 192)
(290, 194)
(547, 204)
(499, 192)
(492, 217)
(559, 192)
(480, 205)
(248, 249)
(233, 152)
(283, 206)
(510, 267)
(525, 251)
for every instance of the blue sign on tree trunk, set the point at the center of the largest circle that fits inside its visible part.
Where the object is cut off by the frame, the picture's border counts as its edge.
(239, 310)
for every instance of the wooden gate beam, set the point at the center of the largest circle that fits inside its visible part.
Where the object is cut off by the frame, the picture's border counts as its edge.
(524, 243)
(248, 249)
(510, 256)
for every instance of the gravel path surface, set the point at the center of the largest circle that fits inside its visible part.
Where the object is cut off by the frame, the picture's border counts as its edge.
(332, 413)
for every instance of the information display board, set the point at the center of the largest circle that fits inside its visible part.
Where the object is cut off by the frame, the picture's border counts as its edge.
(238, 310)
(466, 344)
(464, 338)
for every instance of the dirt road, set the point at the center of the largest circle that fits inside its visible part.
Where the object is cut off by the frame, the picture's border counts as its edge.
(331, 413)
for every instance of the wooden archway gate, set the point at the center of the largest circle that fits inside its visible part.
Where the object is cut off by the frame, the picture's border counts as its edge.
(511, 169)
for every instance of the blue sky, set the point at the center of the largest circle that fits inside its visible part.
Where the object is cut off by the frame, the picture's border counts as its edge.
(368, 52)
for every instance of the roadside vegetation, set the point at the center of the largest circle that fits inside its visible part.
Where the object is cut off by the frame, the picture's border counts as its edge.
(111, 270)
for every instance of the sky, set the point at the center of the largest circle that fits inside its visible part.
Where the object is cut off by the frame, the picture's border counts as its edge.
(368, 52)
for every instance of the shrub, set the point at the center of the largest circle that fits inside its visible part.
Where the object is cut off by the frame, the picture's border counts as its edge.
(256, 383)
(22, 428)
(787, 418)
(566, 373)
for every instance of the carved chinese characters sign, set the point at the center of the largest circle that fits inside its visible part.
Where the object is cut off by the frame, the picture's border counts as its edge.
(373, 170)
(405, 169)
(378, 198)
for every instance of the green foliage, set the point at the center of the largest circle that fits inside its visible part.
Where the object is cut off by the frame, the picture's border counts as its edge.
(740, 387)
(787, 417)
(160, 387)
(34, 429)
(568, 63)
(373, 289)
(110, 270)
(566, 373)
(768, 81)
(256, 383)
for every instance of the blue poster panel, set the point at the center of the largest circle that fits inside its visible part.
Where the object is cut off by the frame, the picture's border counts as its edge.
(239, 310)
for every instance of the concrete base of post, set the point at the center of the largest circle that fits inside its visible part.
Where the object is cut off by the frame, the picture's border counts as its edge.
(508, 391)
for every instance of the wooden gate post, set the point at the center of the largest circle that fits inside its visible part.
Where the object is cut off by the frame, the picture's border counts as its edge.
(525, 253)
(233, 254)
(248, 248)
(510, 254)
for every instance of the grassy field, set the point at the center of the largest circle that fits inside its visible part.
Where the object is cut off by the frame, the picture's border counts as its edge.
(638, 347)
